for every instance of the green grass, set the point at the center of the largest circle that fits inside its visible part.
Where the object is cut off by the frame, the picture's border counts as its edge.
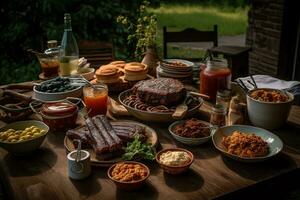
(230, 21)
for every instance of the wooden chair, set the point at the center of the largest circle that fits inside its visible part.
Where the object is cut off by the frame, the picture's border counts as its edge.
(189, 35)
(237, 57)
(97, 53)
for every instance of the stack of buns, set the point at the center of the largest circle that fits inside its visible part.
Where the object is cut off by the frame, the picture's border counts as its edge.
(135, 71)
(119, 74)
(119, 64)
(108, 74)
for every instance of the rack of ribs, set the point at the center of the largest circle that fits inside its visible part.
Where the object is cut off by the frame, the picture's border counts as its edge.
(109, 135)
(97, 141)
(79, 134)
(104, 137)
(127, 132)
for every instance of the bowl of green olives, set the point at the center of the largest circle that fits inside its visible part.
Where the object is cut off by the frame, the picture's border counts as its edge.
(23, 137)
(57, 89)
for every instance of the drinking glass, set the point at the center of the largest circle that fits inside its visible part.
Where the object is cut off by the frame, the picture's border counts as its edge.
(95, 98)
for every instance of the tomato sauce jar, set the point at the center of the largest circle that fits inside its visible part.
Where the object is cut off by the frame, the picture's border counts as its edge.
(216, 76)
(59, 116)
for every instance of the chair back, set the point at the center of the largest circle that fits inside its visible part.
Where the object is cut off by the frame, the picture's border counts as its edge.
(97, 53)
(189, 35)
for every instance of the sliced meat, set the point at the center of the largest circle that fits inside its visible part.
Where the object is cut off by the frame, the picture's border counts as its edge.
(79, 135)
(110, 140)
(98, 143)
(127, 132)
(110, 130)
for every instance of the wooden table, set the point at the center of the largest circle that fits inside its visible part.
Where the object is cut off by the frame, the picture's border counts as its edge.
(43, 175)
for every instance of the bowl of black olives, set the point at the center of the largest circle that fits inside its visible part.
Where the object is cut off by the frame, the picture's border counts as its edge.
(57, 89)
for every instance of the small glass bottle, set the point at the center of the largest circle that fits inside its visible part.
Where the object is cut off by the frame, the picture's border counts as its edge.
(69, 52)
(223, 98)
(218, 115)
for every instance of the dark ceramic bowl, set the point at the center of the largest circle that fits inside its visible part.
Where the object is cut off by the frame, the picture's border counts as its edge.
(133, 185)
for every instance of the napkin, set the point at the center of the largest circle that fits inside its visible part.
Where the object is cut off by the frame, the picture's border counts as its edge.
(265, 81)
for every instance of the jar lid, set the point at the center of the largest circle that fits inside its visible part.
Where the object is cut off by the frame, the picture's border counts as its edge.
(52, 43)
(217, 63)
(219, 108)
(59, 109)
(224, 93)
(84, 155)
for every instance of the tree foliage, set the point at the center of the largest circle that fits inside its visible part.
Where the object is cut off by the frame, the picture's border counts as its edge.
(29, 24)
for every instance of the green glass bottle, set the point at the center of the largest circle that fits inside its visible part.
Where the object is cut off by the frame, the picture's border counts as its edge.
(69, 52)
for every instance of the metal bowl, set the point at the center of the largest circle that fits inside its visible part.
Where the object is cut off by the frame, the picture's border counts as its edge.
(155, 116)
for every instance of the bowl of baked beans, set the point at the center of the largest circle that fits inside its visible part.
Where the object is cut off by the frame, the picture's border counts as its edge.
(191, 132)
(128, 175)
(269, 108)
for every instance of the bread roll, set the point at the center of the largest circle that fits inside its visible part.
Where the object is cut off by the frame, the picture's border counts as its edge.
(118, 63)
(107, 74)
(135, 71)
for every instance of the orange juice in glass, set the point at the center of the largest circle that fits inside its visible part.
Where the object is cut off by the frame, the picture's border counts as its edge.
(95, 99)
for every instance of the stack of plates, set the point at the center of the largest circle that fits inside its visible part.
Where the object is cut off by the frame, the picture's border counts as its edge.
(176, 68)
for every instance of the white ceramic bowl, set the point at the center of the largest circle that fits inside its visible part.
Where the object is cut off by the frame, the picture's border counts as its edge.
(188, 67)
(87, 73)
(190, 141)
(268, 115)
(46, 96)
(27, 146)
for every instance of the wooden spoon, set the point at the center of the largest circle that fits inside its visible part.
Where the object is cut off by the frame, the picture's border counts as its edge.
(180, 110)
(204, 96)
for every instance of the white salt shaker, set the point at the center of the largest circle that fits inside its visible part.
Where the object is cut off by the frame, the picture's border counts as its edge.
(79, 167)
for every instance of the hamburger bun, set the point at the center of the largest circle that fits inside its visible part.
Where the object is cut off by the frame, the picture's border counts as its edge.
(135, 71)
(118, 63)
(107, 74)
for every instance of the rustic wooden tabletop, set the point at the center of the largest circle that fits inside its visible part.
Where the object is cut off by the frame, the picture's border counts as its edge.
(43, 175)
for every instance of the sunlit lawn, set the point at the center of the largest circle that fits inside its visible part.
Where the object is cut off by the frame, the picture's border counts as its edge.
(178, 17)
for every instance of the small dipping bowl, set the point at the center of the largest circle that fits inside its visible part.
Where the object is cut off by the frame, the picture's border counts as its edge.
(191, 141)
(132, 185)
(175, 169)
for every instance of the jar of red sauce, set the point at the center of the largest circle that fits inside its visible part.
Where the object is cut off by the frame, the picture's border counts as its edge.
(216, 76)
(59, 116)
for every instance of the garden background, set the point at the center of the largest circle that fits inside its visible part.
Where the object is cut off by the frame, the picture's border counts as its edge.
(29, 24)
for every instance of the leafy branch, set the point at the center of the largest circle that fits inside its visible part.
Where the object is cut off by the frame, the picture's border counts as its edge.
(141, 30)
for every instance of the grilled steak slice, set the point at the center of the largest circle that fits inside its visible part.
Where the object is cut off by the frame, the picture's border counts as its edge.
(79, 135)
(114, 144)
(97, 141)
(160, 91)
(110, 130)
(127, 132)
